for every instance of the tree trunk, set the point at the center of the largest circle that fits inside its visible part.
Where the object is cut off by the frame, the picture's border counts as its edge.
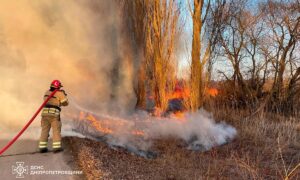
(196, 67)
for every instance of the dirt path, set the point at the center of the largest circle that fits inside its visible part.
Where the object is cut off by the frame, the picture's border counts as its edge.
(23, 156)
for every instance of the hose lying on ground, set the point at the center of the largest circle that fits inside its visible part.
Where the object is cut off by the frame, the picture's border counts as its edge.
(29, 122)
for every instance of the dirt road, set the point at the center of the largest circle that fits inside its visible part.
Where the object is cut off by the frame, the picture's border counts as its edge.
(23, 161)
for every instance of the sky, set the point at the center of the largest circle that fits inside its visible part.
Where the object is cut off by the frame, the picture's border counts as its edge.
(185, 54)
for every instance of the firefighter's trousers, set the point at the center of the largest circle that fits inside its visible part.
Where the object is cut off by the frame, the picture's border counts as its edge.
(47, 123)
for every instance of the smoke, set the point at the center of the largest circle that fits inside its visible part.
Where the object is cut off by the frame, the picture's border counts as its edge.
(137, 132)
(82, 44)
(198, 130)
(79, 42)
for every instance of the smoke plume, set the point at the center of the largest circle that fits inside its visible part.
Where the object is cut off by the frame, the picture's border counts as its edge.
(198, 130)
(138, 131)
(82, 44)
(78, 42)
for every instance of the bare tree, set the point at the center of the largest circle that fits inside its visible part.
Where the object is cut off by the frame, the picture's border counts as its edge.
(283, 20)
(233, 40)
(213, 28)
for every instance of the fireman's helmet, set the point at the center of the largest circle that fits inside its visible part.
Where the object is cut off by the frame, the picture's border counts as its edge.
(56, 84)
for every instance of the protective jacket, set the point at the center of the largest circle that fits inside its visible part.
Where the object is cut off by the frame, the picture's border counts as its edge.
(52, 108)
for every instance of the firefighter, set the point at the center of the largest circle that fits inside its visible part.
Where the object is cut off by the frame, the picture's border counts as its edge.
(51, 118)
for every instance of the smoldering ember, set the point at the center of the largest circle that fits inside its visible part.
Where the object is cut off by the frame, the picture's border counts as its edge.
(160, 89)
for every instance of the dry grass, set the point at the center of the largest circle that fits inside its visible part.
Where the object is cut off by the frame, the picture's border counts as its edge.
(267, 147)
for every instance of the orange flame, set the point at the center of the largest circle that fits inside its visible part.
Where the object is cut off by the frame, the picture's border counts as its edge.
(97, 125)
(212, 92)
(180, 92)
(106, 126)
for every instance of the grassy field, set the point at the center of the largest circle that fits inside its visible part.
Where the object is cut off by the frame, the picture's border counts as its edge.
(267, 147)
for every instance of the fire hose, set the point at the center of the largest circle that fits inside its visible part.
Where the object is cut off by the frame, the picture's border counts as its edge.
(28, 124)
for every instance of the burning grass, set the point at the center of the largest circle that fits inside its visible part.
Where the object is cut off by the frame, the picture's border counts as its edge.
(198, 130)
(265, 148)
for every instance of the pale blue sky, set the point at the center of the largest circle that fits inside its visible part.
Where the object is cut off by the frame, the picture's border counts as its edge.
(185, 54)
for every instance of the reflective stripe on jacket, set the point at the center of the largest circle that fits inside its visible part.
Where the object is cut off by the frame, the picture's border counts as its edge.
(52, 108)
(50, 111)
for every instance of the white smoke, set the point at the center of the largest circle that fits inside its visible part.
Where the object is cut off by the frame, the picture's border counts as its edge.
(198, 130)
(78, 42)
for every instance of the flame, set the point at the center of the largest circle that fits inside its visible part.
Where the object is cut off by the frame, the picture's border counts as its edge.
(212, 92)
(183, 92)
(110, 125)
(106, 126)
(97, 125)
(179, 92)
